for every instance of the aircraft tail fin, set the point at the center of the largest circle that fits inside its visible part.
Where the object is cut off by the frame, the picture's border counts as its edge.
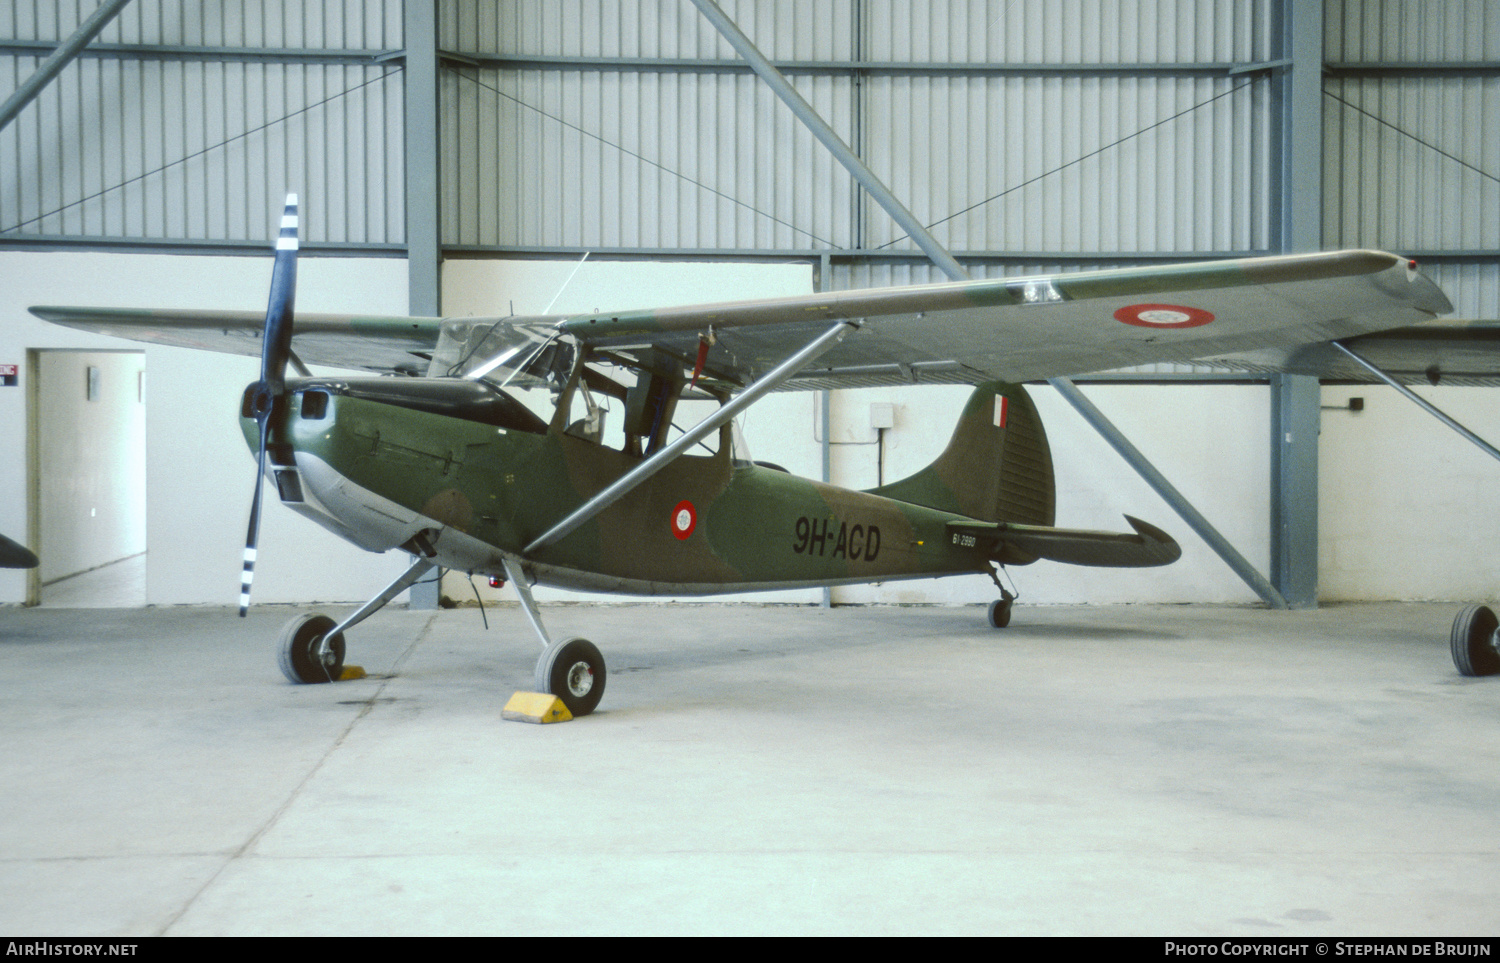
(997, 466)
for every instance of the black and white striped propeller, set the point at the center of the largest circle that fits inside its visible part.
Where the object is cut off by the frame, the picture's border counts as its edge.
(264, 394)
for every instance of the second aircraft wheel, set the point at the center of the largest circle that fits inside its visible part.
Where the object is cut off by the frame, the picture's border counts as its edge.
(1000, 613)
(572, 670)
(1473, 641)
(297, 650)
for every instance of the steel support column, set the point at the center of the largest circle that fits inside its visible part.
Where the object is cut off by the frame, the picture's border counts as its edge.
(940, 256)
(423, 253)
(824, 400)
(1297, 190)
(59, 59)
(1295, 419)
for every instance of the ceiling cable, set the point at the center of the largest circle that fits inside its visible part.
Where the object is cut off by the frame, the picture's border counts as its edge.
(197, 153)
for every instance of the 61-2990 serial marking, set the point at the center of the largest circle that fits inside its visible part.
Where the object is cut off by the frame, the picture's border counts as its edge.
(815, 536)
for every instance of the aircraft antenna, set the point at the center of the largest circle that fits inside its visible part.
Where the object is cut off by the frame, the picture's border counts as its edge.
(565, 284)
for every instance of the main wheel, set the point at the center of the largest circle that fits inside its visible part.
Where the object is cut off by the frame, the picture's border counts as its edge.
(297, 650)
(1473, 641)
(1000, 613)
(572, 670)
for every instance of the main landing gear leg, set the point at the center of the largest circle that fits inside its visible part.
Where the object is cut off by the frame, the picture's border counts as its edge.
(311, 647)
(999, 611)
(571, 669)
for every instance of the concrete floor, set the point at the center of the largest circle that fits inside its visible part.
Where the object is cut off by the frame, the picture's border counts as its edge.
(1147, 770)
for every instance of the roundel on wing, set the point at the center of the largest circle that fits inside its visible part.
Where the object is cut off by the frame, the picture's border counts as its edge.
(1163, 316)
(684, 519)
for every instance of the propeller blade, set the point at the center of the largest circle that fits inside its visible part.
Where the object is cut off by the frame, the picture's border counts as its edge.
(253, 534)
(276, 349)
(278, 333)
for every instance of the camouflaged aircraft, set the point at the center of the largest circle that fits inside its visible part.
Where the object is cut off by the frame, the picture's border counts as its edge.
(438, 458)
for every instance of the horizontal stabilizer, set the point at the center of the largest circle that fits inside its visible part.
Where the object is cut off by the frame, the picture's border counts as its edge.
(1012, 543)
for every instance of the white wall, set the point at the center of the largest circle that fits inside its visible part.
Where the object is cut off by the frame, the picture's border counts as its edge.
(1408, 509)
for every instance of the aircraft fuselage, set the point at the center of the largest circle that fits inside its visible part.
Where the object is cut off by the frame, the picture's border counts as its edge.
(471, 485)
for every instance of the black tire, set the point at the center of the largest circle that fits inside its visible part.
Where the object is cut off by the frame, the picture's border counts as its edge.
(1472, 641)
(297, 650)
(999, 613)
(573, 670)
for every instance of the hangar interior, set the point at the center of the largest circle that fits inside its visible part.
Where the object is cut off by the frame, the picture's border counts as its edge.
(484, 157)
(465, 159)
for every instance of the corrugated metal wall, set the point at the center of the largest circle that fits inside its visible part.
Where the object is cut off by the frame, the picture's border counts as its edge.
(615, 160)
(1164, 152)
(1018, 164)
(1032, 134)
(1412, 146)
(188, 120)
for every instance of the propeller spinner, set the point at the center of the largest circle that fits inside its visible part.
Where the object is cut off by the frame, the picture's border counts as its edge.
(264, 394)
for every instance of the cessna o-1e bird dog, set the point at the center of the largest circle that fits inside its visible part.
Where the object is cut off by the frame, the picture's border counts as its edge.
(449, 467)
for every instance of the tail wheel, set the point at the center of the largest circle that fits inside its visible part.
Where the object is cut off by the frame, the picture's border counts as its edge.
(297, 650)
(1473, 641)
(573, 670)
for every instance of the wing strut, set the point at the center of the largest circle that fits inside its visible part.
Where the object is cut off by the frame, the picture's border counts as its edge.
(1426, 405)
(655, 463)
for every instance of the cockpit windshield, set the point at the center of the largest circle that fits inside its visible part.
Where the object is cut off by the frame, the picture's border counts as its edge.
(514, 352)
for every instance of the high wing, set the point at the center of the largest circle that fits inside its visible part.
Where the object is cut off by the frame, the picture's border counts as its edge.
(371, 342)
(1257, 313)
(1015, 329)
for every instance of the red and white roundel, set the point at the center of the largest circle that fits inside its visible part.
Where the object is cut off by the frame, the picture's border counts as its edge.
(684, 519)
(1163, 316)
